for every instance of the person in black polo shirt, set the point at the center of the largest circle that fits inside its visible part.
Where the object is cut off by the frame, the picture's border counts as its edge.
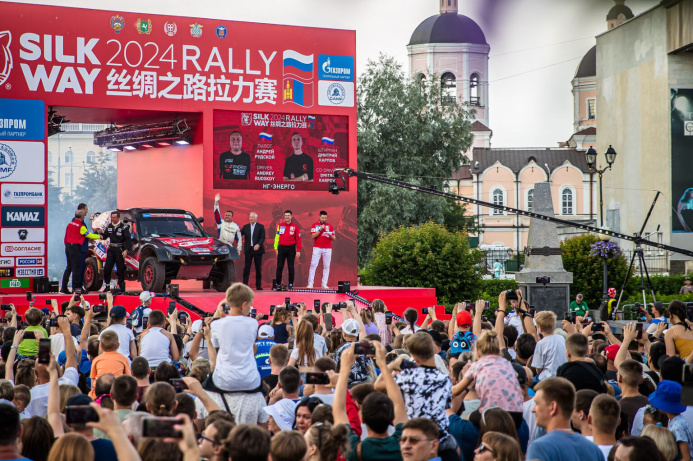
(234, 163)
(298, 167)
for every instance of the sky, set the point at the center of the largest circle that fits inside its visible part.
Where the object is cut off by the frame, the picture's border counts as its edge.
(536, 45)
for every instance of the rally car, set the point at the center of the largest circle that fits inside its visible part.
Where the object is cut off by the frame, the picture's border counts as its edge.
(167, 244)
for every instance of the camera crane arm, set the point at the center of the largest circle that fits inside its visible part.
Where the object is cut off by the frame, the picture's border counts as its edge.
(340, 174)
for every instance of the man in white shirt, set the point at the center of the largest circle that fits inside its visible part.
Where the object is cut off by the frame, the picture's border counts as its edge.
(604, 417)
(39, 393)
(126, 338)
(228, 230)
(157, 344)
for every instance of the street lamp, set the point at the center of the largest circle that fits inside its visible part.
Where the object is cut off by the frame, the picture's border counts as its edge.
(591, 158)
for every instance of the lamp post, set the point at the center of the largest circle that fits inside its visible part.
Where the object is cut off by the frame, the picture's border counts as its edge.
(591, 157)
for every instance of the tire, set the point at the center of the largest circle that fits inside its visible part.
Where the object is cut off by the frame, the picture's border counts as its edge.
(153, 275)
(92, 278)
(227, 278)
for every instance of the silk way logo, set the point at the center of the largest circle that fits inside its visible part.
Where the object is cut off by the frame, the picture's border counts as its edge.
(8, 161)
(5, 59)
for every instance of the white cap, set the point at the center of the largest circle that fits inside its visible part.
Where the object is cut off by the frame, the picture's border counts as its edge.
(146, 296)
(283, 412)
(265, 331)
(87, 305)
(350, 327)
(197, 326)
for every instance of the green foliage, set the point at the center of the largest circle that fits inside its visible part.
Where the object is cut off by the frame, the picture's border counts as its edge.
(405, 133)
(587, 270)
(495, 286)
(455, 219)
(98, 188)
(664, 284)
(427, 255)
(666, 299)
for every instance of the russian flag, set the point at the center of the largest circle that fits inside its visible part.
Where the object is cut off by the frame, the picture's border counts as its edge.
(300, 65)
(311, 121)
(298, 92)
(326, 140)
(265, 137)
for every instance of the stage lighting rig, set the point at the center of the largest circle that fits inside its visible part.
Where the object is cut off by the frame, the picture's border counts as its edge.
(55, 122)
(132, 137)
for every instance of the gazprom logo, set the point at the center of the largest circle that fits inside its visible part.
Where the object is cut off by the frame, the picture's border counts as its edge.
(336, 67)
(5, 55)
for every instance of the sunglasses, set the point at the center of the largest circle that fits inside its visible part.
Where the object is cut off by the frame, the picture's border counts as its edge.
(412, 440)
(202, 437)
(482, 448)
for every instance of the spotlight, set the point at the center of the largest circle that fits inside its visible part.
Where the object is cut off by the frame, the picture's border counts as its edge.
(163, 144)
(130, 147)
(115, 149)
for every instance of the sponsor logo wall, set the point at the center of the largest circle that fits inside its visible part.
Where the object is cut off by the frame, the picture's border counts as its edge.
(22, 190)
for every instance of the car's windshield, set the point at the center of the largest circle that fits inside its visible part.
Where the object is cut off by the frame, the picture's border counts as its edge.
(168, 225)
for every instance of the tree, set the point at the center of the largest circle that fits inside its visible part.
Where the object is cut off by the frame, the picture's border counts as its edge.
(404, 132)
(587, 270)
(98, 187)
(427, 255)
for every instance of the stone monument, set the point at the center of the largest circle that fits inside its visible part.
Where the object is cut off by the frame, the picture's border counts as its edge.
(543, 259)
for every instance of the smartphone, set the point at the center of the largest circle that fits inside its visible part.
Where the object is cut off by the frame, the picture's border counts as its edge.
(54, 322)
(272, 308)
(638, 328)
(468, 303)
(29, 296)
(182, 317)
(569, 316)
(487, 304)
(317, 378)
(102, 296)
(309, 311)
(227, 309)
(44, 350)
(531, 311)
(287, 301)
(316, 305)
(171, 307)
(469, 307)
(145, 322)
(178, 384)
(80, 414)
(78, 295)
(128, 323)
(484, 318)
(597, 327)
(424, 310)
(253, 312)
(29, 335)
(364, 349)
(48, 302)
(99, 308)
(328, 321)
(388, 318)
(407, 365)
(5, 307)
(160, 427)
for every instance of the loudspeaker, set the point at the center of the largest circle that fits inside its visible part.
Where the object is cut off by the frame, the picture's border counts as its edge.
(343, 287)
(42, 285)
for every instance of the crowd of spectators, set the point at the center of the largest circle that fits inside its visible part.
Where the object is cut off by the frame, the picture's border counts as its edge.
(297, 386)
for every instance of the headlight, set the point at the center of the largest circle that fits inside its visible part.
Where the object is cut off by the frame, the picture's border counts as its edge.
(223, 250)
(174, 251)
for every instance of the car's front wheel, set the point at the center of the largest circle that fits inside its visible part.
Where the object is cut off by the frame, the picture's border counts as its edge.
(224, 276)
(92, 277)
(153, 275)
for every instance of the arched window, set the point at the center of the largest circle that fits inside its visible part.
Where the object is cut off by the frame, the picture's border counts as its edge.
(474, 98)
(91, 157)
(448, 83)
(567, 201)
(498, 199)
(69, 157)
(530, 200)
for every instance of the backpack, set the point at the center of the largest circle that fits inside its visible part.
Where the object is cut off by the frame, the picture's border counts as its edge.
(137, 315)
(462, 341)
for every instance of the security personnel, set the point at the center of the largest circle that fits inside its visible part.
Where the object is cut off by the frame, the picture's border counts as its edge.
(119, 235)
(75, 235)
(287, 244)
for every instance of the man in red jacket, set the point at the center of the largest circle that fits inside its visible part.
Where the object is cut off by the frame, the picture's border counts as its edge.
(287, 244)
(75, 235)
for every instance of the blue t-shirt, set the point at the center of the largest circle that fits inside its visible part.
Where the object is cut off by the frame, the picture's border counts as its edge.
(84, 365)
(523, 435)
(262, 356)
(104, 450)
(563, 446)
(465, 433)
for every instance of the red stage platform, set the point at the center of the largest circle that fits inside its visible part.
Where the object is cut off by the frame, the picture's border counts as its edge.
(396, 299)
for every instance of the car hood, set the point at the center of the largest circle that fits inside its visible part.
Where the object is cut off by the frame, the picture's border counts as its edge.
(191, 245)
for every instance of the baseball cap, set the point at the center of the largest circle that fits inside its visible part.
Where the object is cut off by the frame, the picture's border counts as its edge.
(265, 331)
(350, 327)
(611, 351)
(521, 373)
(79, 399)
(197, 326)
(46, 311)
(118, 312)
(146, 296)
(435, 335)
(464, 319)
(671, 368)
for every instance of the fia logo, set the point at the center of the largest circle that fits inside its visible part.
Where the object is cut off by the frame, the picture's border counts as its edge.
(8, 160)
(117, 23)
(6, 58)
(196, 30)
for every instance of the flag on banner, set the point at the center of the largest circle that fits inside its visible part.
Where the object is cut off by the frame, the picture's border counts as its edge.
(265, 137)
(298, 92)
(327, 140)
(300, 65)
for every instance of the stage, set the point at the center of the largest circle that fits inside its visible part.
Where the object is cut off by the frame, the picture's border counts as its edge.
(396, 299)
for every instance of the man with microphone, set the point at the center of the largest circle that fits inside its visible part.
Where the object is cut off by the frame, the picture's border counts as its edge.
(323, 234)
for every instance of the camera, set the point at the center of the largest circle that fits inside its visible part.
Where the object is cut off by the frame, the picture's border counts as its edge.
(102, 296)
(339, 306)
(99, 308)
(544, 280)
(597, 327)
(54, 322)
(424, 310)
(511, 295)
(5, 307)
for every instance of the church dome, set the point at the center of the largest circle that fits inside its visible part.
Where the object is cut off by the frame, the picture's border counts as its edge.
(448, 28)
(588, 65)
